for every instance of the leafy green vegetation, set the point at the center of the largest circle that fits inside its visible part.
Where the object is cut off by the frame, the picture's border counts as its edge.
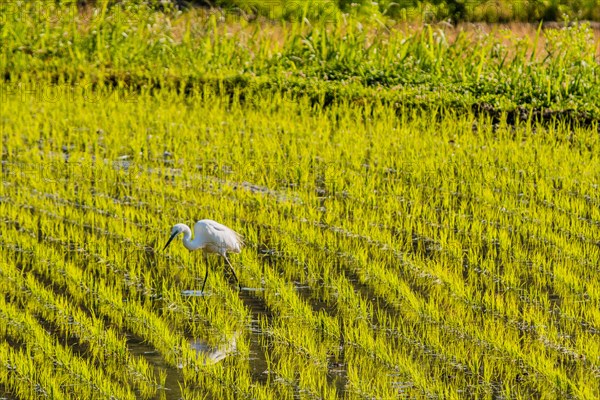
(420, 207)
(544, 73)
(427, 11)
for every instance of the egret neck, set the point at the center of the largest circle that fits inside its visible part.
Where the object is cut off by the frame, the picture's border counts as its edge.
(188, 242)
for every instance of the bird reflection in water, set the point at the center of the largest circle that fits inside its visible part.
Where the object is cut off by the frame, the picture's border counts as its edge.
(213, 355)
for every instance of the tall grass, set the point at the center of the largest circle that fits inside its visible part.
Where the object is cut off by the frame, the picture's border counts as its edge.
(544, 73)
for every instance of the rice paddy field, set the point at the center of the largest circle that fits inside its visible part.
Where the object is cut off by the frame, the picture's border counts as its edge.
(420, 207)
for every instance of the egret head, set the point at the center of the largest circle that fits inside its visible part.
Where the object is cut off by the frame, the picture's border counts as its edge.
(176, 230)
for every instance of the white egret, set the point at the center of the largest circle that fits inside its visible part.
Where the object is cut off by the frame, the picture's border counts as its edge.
(211, 237)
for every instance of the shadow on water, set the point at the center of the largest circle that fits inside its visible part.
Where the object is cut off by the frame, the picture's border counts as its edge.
(321, 299)
(253, 301)
(5, 394)
(173, 376)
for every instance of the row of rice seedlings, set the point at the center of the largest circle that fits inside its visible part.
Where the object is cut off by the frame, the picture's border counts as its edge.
(390, 283)
(291, 377)
(301, 341)
(288, 248)
(131, 273)
(78, 377)
(143, 324)
(166, 293)
(94, 293)
(25, 377)
(101, 345)
(266, 210)
(364, 345)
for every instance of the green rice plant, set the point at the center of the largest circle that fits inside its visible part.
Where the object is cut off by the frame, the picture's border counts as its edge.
(79, 373)
(103, 345)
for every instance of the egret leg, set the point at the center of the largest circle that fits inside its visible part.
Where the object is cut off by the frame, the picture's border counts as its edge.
(205, 274)
(232, 270)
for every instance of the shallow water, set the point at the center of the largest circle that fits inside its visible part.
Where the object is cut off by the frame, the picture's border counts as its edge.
(210, 354)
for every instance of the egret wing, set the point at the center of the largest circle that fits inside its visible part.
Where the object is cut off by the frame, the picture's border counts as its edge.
(218, 238)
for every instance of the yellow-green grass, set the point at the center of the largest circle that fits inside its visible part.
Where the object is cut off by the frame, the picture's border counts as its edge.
(388, 255)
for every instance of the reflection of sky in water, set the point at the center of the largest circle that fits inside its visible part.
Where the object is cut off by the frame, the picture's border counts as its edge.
(194, 293)
(200, 293)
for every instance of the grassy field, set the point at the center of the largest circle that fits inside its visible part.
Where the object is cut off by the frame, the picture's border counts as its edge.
(420, 207)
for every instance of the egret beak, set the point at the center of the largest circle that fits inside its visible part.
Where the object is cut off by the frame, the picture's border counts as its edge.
(170, 239)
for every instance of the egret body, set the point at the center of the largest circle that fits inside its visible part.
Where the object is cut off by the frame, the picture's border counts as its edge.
(210, 237)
